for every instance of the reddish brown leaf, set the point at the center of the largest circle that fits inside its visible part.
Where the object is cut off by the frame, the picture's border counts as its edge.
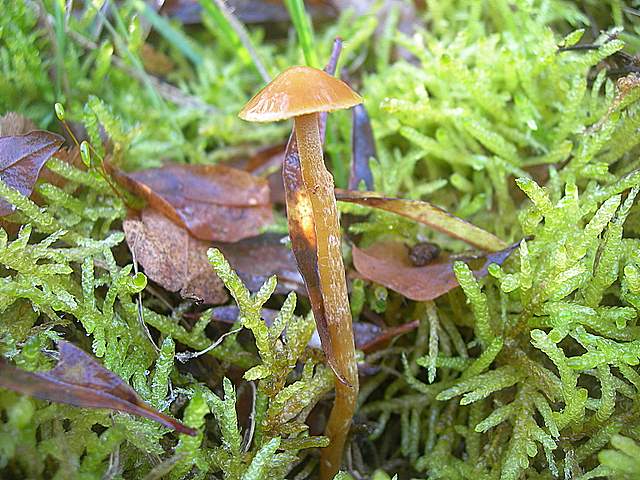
(368, 336)
(21, 159)
(388, 264)
(79, 380)
(363, 149)
(173, 258)
(213, 202)
(256, 259)
(427, 214)
(265, 160)
(13, 123)
(374, 338)
(154, 61)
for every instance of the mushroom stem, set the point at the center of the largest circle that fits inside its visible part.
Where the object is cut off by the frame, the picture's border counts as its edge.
(319, 183)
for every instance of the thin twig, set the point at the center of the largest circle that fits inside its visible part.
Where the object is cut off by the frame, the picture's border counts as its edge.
(244, 38)
(184, 357)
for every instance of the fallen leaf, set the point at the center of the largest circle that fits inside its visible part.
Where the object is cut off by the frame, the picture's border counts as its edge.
(248, 11)
(21, 159)
(388, 264)
(370, 338)
(255, 259)
(363, 149)
(265, 159)
(427, 214)
(13, 123)
(213, 202)
(154, 61)
(173, 258)
(78, 379)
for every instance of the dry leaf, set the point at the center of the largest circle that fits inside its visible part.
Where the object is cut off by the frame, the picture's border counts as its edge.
(78, 379)
(13, 123)
(154, 61)
(248, 11)
(427, 214)
(21, 160)
(370, 337)
(213, 202)
(363, 149)
(173, 258)
(388, 264)
(255, 259)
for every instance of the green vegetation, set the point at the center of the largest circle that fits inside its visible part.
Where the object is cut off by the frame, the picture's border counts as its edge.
(482, 108)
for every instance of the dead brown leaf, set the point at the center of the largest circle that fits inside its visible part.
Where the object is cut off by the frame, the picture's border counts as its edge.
(21, 160)
(173, 258)
(249, 11)
(213, 202)
(388, 264)
(13, 123)
(427, 214)
(255, 259)
(154, 61)
(78, 379)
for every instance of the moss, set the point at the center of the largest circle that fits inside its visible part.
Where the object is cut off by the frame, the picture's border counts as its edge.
(528, 373)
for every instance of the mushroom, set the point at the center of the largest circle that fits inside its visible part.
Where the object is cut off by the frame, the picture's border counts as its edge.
(302, 93)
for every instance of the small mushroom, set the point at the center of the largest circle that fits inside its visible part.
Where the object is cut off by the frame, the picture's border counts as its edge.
(302, 93)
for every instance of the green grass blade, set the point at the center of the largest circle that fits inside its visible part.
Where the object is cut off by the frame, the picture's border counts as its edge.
(171, 34)
(304, 29)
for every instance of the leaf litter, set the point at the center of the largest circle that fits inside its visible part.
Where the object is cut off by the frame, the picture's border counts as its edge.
(213, 202)
(79, 380)
(22, 158)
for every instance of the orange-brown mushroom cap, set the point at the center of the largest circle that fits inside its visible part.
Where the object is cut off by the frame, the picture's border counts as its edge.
(299, 91)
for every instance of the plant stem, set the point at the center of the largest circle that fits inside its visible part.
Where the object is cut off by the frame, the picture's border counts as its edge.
(319, 183)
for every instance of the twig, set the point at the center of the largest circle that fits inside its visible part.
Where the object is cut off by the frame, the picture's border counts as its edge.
(184, 357)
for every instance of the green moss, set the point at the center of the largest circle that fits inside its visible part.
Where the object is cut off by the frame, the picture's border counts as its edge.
(530, 372)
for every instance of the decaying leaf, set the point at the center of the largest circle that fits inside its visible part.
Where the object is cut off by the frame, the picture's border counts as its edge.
(213, 202)
(427, 214)
(368, 336)
(363, 149)
(171, 257)
(265, 159)
(388, 264)
(248, 11)
(13, 123)
(154, 61)
(255, 259)
(21, 160)
(79, 380)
